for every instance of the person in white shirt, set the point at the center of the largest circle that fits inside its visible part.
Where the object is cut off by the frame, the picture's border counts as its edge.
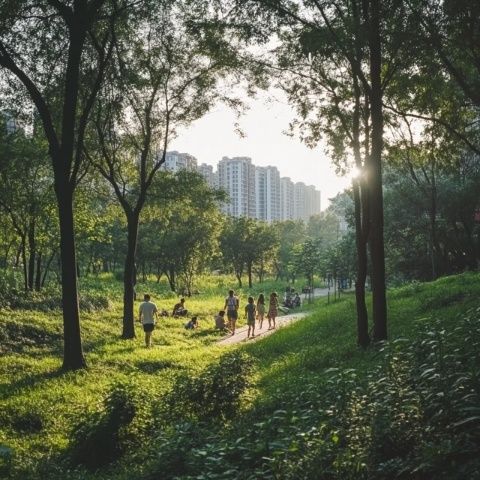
(148, 313)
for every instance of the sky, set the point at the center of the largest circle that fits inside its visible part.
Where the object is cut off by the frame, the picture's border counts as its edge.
(214, 136)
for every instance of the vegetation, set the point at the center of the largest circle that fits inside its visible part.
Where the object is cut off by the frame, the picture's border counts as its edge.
(186, 408)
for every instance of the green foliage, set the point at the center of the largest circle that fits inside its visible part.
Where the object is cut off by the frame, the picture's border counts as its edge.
(104, 436)
(215, 393)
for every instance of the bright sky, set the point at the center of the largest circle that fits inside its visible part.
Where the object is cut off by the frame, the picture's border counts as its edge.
(214, 136)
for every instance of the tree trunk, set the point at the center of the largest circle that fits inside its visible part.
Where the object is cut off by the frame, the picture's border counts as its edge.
(377, 249)
(249, 271)
(38, 274)
(363, 338)
(171, 279)
(129, 279)
(47, 268)
(73, 358)
(24, 264)
(31, 254)
(239, 278)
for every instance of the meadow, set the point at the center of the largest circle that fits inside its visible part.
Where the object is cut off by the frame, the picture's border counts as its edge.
(302, 401)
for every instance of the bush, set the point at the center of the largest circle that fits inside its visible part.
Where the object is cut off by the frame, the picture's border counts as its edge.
(215, 393)
(104, 436)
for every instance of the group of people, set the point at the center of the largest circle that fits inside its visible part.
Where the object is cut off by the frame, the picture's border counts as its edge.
(253, 312)
(148, 314)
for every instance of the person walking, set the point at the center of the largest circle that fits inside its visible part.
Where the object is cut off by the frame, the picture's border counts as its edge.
(250, 310)
(231, 306)
(260, 310)
(148, 313)
(272, 310)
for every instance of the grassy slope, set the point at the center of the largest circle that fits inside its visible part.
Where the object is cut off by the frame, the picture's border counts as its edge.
(327, 338)
(30, 379)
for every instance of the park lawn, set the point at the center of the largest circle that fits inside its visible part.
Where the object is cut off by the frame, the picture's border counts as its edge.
(40, 405)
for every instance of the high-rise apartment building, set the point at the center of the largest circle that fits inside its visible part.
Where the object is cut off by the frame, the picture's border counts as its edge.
(287, 199)
(299, 201)
(267, 193)
(175, 161)
(237, 177)
(207, 172)
(312, 201)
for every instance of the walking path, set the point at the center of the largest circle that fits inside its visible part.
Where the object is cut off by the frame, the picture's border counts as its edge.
(241, 333)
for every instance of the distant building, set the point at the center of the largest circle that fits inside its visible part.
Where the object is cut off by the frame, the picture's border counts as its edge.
(237, 177)
(267, 193)
(207, 172)
(175, 161)
(255, 192)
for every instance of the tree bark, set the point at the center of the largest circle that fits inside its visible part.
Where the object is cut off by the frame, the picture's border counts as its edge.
(73, 358)
(377, 248)
(171, 279)
(38, 273)
(31, 254)
(129, 277)
(249, 271)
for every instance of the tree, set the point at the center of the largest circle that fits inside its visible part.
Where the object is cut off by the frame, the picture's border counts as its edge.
(26, 198)
(58, 53)
(165, 75)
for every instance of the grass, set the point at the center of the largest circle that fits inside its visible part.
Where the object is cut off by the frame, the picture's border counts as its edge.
(40, 405)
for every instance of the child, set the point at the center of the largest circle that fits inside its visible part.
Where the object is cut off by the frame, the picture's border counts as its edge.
(220, 321)
(147, 315)
(272, 310)
(260, 310)
(250, 310)
(192, 324)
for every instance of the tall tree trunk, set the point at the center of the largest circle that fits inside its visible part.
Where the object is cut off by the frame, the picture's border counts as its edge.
(129, 277)
(172, 279)
(38, 273)
(47, 267)
(249, 271)
(239, 278)
(23, 253)
(360, 197)
(73, 358)
(377, 248)
(31, 254)
(363, 337)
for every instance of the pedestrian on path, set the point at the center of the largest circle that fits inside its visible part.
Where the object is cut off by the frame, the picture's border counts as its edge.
(272, 310)
(260, 310)
(250, 311)
(231, 306)
(148, 313)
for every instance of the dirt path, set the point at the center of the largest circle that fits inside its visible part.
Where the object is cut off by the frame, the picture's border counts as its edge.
(241, 333)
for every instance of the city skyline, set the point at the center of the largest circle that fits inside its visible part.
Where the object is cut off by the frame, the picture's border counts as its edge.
(264, 140)
(254, 191)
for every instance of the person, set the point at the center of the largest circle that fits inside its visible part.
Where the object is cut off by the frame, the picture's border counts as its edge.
(220, 321)
(192, 324)
(179, 309)
(250, 310)
(272, 310)
(260, 310)
(297, 302)
(231, 306)
(148, 313)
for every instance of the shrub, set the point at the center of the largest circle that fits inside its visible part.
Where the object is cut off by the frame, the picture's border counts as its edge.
(104, 436)
(215, 393)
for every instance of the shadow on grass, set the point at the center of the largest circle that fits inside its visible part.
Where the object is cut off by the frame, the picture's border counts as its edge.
(11, 389)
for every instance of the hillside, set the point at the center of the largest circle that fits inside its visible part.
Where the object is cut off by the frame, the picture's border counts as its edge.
(303, 403)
